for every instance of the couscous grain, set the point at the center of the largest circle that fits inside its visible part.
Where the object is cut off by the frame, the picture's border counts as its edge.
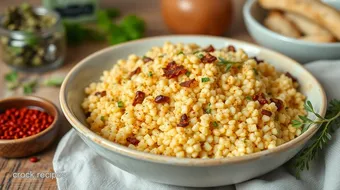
(187, 101)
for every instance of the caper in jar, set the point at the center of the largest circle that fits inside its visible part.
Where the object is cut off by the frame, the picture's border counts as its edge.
(35, 37)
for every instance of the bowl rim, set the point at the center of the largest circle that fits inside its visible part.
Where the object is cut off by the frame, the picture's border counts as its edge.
(249, 17)
(32, 137)
(161, 159)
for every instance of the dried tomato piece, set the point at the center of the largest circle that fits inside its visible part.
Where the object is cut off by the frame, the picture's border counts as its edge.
(137, 71)
(231, 48)
(132, 140)
(87, 114)
(138, 98)
(162, 99)
(102, 93)
(147, 59)
(189, 84)
(260, 98)
(266, 112)
(210, 48)
(278, 103)
(258, 61)
(291, 76)
(255, 97)
(172, 70)
(184, 121)
(208, 58)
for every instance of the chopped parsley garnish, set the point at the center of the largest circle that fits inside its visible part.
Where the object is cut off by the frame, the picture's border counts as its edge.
(120, 104)
(205, 79)
(200, 56)
(181, 52)
(248, 98)
(255, 72)
(208, 110)
(215, 124)
(187, 73)
(150, 74)
(102, 118)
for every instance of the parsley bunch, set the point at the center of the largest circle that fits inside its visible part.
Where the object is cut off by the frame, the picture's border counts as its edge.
(329, 124)
(131, 27)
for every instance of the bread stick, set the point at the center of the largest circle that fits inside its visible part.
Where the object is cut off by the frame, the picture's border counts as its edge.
(277, 22)
(317, 11)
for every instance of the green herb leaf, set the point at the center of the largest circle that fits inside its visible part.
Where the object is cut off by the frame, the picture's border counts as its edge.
(304, 118)
(224, 61)
(205, 79)
(187, 73)
(308, 108)
(77, 34)
(133, 26)
(228, 67)
(56, 81)
(120, 104)
(150, 74)
(12, 76)
(215, 124)
(329, 124)
(255, 72)
(200, 56)
(227, 63)
(112, 12)
(181, 52)
(102, 118)
(208, 110)
(249, 98)
(12, 80)
(29, 87)
(296, 123)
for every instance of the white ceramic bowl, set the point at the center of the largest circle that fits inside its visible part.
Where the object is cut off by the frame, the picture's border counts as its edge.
(182, 171)
(302, 51)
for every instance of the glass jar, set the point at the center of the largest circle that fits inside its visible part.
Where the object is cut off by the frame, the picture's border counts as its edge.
(34, 52)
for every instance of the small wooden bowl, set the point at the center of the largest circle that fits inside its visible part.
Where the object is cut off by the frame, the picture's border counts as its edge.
(29, 145)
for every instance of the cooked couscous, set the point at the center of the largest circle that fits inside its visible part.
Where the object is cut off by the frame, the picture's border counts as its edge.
(187, 101)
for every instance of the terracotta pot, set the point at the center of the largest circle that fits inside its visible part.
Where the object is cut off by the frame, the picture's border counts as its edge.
(197, 16)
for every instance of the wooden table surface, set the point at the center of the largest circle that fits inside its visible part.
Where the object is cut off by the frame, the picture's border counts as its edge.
(147, 9)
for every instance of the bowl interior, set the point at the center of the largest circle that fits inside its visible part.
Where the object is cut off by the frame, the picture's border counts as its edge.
(90, 69)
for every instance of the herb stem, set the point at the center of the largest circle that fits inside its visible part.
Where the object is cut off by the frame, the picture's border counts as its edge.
(331, 119)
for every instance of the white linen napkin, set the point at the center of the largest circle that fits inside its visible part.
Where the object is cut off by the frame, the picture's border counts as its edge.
(83, 169)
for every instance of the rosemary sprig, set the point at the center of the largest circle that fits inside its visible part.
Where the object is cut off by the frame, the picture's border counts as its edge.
(329, 124)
